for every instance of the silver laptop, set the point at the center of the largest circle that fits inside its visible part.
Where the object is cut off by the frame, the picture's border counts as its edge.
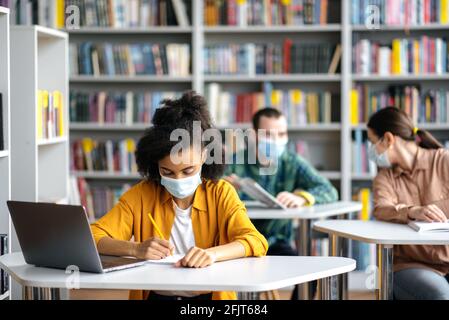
(59, 236)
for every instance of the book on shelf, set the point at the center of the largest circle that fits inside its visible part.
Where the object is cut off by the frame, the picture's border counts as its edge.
(271, 58)
(430, 106)
(425, 227)
(97, 199)
(2, 134)
(101, 13)
(5, 3)
(401, 12)
(300, 107)
(50, 114)
(48, 13)
(360, 161)
(320, 247)
(125, 108)
(109, 59)
(4, 278)
(423, 55)
(132, 13)
(103, 156)
(363, 253)
(270, 13)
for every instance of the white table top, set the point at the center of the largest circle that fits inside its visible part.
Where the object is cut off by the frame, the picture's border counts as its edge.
(243, 275)
(380, 232)
(306, 213)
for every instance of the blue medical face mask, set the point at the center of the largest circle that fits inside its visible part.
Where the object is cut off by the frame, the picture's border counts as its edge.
(272, 149)
(182, 188)
(381, 160)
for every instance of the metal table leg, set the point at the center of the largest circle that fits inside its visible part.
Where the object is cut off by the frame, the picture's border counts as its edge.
(304, 249)
(328, 288)
(338, 248)
(248, 296)
(33, 293)
(384, 290)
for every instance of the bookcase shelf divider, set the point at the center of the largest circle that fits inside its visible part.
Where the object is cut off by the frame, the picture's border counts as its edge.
(5, 132)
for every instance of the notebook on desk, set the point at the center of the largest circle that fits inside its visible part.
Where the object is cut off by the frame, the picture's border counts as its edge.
(419, 226)
(169, 260)
(259, 194)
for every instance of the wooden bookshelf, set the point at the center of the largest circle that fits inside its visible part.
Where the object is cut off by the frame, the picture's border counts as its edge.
(40, 167)
(5, 155)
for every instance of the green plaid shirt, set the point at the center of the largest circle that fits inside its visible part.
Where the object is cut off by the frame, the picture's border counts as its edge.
(293, 173)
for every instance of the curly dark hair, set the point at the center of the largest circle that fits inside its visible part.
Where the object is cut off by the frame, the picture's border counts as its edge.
(156, 144)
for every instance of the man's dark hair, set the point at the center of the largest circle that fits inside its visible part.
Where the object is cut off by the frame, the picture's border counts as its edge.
(174, 114)
(266, 112)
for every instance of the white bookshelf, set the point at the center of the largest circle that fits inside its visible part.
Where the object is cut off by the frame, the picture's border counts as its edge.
(5, 158)
(331, 27)
(129, 79)
(40, 167)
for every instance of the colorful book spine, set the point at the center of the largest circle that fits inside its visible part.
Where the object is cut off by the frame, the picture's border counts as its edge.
(269, 13)
(50, 114)
(104, 156)
(424, 55)
(99, 200)
(400, 12)
(430, 106)
(287, 58)
(102, 13)
(109, 59)
(125, 108)
(300, 107)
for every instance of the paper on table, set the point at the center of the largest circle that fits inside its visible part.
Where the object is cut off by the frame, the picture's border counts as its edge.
(169, 260)
(429, 226)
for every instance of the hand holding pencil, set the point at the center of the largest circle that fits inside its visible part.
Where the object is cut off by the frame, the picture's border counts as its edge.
(155, 248)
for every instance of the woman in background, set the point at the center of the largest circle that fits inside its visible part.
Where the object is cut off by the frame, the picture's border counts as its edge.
(412, 184)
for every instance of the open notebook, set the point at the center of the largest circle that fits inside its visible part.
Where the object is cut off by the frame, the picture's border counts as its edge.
(429, 226)
(169, 260)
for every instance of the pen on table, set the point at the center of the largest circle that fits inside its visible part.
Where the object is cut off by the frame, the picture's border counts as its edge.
(158, 231)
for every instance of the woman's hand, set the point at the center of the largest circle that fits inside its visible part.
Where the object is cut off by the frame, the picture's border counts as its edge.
(429, 213)
(290, 200)
(197, 258)
(153, 249)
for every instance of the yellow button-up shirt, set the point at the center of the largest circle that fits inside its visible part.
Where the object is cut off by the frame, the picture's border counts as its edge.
(218, 217)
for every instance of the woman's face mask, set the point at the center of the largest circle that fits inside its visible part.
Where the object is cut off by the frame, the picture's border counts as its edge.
(380, 159)
(182, 188)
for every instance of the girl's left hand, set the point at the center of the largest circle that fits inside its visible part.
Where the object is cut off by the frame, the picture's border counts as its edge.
(197, 258)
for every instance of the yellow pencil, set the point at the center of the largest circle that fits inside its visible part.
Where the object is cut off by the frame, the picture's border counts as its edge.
(156, 227)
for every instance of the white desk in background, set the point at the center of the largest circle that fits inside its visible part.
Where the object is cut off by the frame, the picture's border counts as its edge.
(306, 216)
(385, 235)
(241, 275)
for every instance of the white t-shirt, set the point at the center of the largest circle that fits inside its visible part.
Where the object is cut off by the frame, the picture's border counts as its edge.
(181, 235)
(183, 238)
